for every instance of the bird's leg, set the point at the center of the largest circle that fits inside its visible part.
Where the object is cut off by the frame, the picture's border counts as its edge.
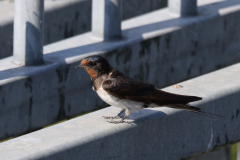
(127, 113)
(115, 117)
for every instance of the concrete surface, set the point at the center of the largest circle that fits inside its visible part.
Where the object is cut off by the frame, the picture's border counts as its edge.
(159, 133)
(28, 32)
(107, 19)
(182, 8)
(158, 49)
(65, 18)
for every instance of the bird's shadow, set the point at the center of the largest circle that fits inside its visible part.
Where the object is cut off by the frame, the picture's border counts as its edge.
(144, 115)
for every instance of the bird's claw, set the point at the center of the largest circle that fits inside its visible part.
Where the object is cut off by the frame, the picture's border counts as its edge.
(122, 121)
(109, 117)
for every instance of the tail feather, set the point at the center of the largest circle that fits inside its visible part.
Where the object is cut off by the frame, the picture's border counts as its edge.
(193, 109)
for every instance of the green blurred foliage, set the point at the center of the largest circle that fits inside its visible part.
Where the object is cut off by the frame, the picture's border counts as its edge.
(234, 151)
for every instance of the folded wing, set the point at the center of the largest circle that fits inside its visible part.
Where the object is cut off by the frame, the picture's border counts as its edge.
(126, 88)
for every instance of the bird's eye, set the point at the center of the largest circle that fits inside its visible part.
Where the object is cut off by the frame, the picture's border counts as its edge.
(93, 63)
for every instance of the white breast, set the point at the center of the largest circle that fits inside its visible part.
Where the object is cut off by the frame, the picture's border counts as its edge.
(121, 103)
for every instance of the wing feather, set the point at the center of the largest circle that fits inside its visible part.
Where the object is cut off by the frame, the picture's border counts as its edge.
(124, 87)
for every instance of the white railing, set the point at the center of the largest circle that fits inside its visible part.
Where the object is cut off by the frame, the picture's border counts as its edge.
(28, 32)
(106, 25)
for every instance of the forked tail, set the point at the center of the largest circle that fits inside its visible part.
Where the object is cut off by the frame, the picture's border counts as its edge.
(193, 109)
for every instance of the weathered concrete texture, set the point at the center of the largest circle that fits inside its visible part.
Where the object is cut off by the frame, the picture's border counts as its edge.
(65, 19)
(161, 51)
(159, 133)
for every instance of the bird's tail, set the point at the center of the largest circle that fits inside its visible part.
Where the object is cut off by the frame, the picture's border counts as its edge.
(193, 109)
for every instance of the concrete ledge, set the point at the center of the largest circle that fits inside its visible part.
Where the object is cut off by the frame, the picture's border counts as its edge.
(157, 49)
(155, 133)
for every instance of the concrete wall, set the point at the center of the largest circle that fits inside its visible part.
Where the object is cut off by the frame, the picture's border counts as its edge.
(155, 133)
(162, 51)
(66, 18)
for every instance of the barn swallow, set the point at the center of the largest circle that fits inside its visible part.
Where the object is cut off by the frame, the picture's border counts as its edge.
(119, 90)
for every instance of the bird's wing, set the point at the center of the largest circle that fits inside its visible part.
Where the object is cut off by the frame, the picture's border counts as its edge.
(125, 88)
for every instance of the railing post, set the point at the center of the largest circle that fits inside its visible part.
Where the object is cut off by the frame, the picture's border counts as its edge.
(182, 8)
(28, 32)
(106, 19)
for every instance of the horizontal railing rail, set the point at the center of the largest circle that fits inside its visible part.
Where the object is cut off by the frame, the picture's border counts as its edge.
(106, 25)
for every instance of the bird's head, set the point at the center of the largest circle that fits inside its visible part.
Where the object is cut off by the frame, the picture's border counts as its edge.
(95, 66)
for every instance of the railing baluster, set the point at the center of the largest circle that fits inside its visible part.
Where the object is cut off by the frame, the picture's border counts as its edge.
(28, 32)
(106, 19)
(182, 8)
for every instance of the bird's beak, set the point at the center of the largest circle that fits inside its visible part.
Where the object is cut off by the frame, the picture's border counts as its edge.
(80, 66)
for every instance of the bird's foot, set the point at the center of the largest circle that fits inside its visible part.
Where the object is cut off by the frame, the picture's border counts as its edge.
(121, 121)
(109, 117)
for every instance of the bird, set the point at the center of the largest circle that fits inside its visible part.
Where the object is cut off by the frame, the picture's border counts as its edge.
(130, 95)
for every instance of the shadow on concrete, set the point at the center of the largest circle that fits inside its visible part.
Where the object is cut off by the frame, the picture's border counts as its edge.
(34, 50)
